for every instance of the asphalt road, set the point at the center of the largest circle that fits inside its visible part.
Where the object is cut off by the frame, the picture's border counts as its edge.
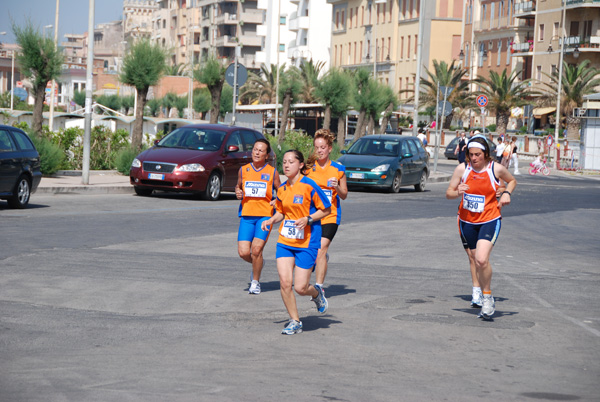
(125, 298)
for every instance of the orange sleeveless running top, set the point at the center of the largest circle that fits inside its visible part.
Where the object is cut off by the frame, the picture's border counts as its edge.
(257, 187)
(479, 204)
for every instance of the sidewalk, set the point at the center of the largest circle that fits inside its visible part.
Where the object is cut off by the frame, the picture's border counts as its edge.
(100, 182)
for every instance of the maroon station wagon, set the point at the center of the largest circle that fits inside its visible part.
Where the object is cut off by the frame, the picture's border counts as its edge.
(199, 158)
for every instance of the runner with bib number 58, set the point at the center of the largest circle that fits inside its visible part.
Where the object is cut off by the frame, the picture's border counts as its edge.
(479, 215)
(301, 204)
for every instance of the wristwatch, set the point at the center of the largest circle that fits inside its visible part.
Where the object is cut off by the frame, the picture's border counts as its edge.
(310, 220)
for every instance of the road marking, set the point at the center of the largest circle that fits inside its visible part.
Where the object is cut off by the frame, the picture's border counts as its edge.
(550, 306)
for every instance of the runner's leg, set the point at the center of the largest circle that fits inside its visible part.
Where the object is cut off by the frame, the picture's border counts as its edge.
(285, 268)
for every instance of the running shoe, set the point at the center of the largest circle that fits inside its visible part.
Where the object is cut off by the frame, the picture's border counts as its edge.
(320, 300)
(477, 299)
(489, 307)
(294, 327)
(254, 288)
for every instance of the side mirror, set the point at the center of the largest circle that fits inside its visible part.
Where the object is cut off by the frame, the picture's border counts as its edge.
(343, 152)
(233, 148)
(156, 142)
(408, 155)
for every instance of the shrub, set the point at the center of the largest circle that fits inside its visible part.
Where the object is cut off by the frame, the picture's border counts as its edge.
(51, 155)
(124, 157)
(491, 128)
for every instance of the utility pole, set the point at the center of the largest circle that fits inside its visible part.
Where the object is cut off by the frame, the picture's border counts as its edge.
(277, 83)
(51, 120)
(419, 62)
(89, 82)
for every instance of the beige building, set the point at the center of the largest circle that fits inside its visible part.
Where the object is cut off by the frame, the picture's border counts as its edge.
(383, 36)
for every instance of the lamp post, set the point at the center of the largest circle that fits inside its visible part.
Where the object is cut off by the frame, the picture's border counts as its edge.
(51, 119)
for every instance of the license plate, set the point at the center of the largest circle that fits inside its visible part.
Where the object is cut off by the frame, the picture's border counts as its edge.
(357, 175)
(156, 176)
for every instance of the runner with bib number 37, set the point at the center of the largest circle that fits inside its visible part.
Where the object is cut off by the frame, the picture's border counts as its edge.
(300, 206)
(479, 215)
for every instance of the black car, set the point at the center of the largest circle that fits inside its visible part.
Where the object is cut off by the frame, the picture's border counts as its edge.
(449, 152)
(19, 167)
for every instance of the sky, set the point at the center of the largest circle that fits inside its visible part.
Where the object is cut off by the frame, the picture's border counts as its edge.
(73, 15)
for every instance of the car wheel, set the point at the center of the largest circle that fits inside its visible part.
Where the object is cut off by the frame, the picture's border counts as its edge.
(144, 192)
(420, 186)
(395, 187)
(213, 187)
(22, 192)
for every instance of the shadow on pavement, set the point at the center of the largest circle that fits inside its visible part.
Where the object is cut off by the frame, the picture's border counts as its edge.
(337, 290)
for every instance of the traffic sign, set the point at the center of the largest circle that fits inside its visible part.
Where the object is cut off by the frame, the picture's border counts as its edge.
(242, 74)
(444, 107)
(482, 101)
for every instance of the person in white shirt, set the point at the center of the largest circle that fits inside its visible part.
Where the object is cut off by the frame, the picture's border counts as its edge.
(500, 149)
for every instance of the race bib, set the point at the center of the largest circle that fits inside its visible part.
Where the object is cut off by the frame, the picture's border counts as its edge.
(255, 189)
(473, 202)
(329, 194)
(290, 231)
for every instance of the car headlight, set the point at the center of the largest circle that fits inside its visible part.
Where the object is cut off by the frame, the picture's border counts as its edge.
(381, 168)
(192, 167)
(136, 163)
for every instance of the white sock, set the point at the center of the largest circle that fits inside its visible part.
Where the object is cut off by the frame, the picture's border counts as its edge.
(319, 284)
(476, 290)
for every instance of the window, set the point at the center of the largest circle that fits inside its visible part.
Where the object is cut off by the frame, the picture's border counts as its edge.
(508, 41)
(401, 47)
(416, 45)
(282, 47)
(249, 138)
(23, 141)
(492, 12)
(360, 50)
(499, 52)
(356, 18)
(541, 33)
(362, 16)
(337, 20)
(282, 20)
(6, 143)
(408, 47)
(390, 15)
(410, 9)
(555, 29)
(354, 60)
(483, 10)
(236, 140)
(538, 75)
(377, 14)
(334, 54)
(401, 9)
(349, 52)
(351, 17)
(343, 20)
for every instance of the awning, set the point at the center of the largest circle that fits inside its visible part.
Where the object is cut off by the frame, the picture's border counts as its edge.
(541, 111)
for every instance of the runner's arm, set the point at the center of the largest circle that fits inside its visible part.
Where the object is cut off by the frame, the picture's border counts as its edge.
(455, 187)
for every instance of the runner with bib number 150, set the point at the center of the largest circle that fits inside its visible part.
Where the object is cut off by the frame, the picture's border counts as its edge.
(301, 204)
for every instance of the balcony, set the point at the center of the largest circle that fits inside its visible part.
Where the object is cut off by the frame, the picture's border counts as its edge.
(252, 17)
(299, 23)
(522, 49)
(583, 3)
(525, 9)
(226, 41)
(227, 19)
(249, 39)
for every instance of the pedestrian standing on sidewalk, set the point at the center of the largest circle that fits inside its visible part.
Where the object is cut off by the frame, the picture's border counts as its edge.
(479, 217)
(515, 157)
(461, 148)
(301, 204)
(256, 186)
(500, 149)
(331, 177)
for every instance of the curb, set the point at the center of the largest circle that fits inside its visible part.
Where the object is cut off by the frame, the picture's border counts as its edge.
(86, 190)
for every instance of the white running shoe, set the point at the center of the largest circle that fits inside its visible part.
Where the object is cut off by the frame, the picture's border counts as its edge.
(254, 288)
(477, 299)
(489, 307)
(293, 327)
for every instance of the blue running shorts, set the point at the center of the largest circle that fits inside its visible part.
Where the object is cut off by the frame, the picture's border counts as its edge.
(250, 228)
(305, 257)
(471, 233)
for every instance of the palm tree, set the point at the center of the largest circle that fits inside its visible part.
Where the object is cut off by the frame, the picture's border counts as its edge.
(389, 101)
(309, 73)
(261, 87)
(168, 102)
(212, 74)
(335, 92)
(447, 76)
(289, 89)
(143, 66)
(363, 97)
(504, 93)
(577, 81)
(40, 61)
(175, 69)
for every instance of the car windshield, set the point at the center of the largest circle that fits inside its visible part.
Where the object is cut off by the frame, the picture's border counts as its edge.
(374, 146)
(194, 138)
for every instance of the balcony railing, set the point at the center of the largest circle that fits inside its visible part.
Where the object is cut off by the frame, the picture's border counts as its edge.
(583, 2)
(524, 7)
(522, 47)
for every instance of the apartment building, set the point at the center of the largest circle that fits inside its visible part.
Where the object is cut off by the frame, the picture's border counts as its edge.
(579, 39)
(382, 35)
(495, 38)
(311, 22)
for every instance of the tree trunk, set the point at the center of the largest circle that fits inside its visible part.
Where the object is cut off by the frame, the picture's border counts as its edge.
(38, 109)
(215, 94)
(327, 118)
(341, 131)
(371, 125)
(448, 121)
(287, 101)
(360, 125)
(386, 117)
(138, 125)
(573, 125)
(501, 123)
